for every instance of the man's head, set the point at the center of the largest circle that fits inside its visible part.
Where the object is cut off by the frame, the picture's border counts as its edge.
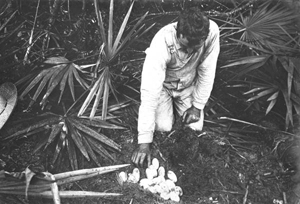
(192, 27)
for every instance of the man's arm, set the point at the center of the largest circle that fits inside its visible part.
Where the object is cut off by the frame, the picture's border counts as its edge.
(207, 69)
(153, 76)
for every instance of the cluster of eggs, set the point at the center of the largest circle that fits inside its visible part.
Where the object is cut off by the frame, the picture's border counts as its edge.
(155, 181)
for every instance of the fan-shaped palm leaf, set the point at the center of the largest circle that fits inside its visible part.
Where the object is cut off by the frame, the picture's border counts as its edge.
(71, 133)
(268, 26)
(103, 85)
(59, 72)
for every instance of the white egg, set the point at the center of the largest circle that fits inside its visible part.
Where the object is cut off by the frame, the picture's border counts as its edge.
(161, 171)
(158, 180)
(171, 175)
(134, 177)
(165, 195)
(122, 177)
(171, 185)
(178, 190)
(174, 196)
(145, 183)
(152, 189)
(153, 168)
(136, 173)
(164, 187)
(155, 163)
(151, 172)
(158, 188)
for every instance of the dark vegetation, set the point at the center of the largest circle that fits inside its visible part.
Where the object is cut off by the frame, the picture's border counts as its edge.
(77, 67)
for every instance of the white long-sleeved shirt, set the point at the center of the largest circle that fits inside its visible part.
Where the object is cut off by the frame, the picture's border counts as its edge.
(168, 65)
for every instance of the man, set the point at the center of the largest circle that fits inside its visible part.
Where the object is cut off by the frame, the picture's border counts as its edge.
(178, 75)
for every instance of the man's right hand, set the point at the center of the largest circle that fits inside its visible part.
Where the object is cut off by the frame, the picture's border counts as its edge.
(140, 154)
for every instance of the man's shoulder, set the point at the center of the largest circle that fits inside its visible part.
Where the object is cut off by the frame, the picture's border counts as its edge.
(168, 30)
(213, 26)
(167, 34)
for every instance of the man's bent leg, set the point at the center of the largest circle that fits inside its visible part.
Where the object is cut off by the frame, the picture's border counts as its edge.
(164, 117)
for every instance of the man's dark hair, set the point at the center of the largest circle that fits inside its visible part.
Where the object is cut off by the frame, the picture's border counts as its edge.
(193, 24)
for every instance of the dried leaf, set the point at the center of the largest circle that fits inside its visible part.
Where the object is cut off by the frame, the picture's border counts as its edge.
(28, 176)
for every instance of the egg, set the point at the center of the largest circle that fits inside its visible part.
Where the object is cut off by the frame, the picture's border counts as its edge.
(178, 190)
(174, 196)
(158, 180)
(172, 176)
(151, 173)
(134, 177)
(165, 196)
(161, 171)
(136, 173)
(145, 183)
(155, 163)
(170, 184)
(122, 177)
(158, 188)
(164, 187)
(152, 189)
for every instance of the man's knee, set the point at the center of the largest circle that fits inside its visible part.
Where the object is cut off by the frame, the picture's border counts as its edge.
(164, 126)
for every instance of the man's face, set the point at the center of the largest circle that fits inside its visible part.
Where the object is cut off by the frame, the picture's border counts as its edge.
(185, 43)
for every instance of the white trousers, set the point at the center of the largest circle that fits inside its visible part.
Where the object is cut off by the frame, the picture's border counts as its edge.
(173, 102)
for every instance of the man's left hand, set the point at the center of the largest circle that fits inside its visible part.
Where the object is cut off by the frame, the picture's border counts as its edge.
(191, 115)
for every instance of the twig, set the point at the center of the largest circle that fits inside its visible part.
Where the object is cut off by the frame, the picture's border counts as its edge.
(246, 195)
(30, 44)
(225, 191)
(169, 135)
(284, 198)
(158, 151)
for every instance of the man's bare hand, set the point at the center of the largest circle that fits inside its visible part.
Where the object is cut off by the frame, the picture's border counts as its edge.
(140, 154)
(191, 115)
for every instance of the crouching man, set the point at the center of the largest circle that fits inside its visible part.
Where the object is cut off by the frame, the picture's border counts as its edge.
(177, 78)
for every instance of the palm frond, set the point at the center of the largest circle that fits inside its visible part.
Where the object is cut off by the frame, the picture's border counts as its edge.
(19, 183)
(71, 133)
(103, 87)
(59, 71)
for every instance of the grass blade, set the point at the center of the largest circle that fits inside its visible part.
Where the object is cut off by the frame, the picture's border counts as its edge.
(77, 138)
(36, 80)
(261, 94)
(90, 151)
(72, 154)
(96, 146)
(110, 28)
(60, 145)
(40, 124)
(98, 98)
(63, 84)
(271, 105)
(100, 124)
(122, 28)
(90, 97)
(71, 83)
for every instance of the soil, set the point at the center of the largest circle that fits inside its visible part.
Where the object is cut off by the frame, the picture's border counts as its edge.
(211, 168)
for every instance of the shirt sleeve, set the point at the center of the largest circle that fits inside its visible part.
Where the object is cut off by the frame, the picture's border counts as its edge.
(207, 69)
(153, 76)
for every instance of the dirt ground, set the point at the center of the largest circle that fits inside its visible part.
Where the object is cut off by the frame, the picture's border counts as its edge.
(211, 168)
